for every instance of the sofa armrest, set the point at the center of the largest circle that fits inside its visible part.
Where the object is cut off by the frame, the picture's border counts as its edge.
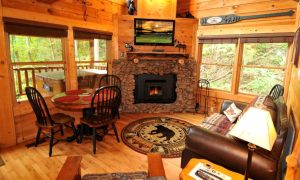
(227, 103)
(230, 153)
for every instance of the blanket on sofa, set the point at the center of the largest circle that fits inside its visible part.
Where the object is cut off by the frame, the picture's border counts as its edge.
(217, 123)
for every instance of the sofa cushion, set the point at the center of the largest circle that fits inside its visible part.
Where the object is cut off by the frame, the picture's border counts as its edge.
(232, 112)
(217, 123)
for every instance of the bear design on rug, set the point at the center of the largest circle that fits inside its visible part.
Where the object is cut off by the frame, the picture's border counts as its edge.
(168, 133)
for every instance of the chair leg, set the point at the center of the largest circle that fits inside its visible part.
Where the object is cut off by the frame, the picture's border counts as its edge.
(51, 142)
(116, 132)
(81, 133)
(74, 132)
(37, 139)
(61, 130)
(94, 140)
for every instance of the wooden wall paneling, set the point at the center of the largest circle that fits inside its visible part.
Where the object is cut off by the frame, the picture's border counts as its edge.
(157, 9)
(200, 8)
(67, 13)
(7, 126)
(96, 10)
(203, 8)
(183, 33)
(288, 71)
(39, 17)
(293, 99)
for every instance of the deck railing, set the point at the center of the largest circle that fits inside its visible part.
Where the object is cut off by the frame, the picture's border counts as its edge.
(25, 76)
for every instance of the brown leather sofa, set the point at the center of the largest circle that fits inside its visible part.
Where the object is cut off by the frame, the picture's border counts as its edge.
(232, 153)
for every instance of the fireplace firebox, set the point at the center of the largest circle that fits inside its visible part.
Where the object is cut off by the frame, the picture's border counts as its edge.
(150, 88)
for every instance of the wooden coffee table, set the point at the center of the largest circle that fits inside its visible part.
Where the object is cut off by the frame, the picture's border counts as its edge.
(184, 175)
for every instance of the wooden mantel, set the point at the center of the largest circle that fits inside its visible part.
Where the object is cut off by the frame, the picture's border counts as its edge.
(156, 56)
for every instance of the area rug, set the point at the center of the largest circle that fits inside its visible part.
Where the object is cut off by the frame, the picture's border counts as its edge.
(157, 134)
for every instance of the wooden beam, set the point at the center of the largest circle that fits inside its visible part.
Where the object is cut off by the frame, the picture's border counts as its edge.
(7, 126)
(237, 67)
(70, 68)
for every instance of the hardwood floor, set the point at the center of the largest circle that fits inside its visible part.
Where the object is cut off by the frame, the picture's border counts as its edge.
(33, 163)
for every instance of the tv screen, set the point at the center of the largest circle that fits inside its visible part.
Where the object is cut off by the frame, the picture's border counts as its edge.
(154, 32)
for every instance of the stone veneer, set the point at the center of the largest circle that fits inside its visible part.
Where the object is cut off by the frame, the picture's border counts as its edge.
(186, 77)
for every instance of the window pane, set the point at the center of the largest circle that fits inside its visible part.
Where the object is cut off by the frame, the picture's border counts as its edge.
(219, 76)
(218, 53)
(82, 50)
(88, 53)
(101, 43)
(259, 81)
(33, 49)
(265, 54)
(89, 50)
(44, 74)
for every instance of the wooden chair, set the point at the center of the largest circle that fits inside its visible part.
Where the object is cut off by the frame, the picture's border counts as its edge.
(104, 108)
(110, 80)
(44, 120)
(276, 91)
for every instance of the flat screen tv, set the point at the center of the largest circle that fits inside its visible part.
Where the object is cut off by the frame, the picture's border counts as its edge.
(154, 32)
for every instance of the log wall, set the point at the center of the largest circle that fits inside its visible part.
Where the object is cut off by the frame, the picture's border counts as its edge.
(293, 100)
(104, 15)
(17, 122)
(185, 30)
(206, 8)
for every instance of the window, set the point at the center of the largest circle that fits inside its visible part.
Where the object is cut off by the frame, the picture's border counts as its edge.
(254, 68)
(91, 56)
(34, 59)
(36, 56)
(91, 59)
(217, 65)
(263, 66)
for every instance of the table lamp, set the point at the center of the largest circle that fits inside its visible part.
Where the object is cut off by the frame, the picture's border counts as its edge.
(257, 128)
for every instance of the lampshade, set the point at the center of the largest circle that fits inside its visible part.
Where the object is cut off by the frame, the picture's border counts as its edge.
(256, 127)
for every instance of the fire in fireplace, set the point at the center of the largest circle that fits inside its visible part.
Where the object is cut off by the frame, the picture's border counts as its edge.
(155, 91)
(150, 88)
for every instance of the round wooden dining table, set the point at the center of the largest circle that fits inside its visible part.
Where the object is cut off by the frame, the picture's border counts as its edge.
(73, 100)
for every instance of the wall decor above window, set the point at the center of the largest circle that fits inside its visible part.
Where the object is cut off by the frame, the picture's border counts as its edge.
(232, 18)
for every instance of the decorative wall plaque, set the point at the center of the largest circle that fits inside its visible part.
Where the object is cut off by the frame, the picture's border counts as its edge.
(232, 18)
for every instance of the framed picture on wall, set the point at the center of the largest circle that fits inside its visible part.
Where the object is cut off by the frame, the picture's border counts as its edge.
(296, 48)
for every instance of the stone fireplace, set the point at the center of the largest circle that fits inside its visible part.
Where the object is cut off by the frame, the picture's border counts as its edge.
(151, 88)
(183, 73)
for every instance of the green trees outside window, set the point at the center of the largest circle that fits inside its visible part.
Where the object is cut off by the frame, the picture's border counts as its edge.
(91, 59)
(263, 66)
(217, 65)
(31, 55)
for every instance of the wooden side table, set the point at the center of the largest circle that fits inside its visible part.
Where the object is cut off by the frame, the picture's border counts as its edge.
(184, 175)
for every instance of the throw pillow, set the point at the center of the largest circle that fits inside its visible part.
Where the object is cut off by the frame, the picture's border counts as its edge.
(232, 112)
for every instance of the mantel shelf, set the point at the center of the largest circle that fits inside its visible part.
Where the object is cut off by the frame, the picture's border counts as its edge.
(156, 56)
